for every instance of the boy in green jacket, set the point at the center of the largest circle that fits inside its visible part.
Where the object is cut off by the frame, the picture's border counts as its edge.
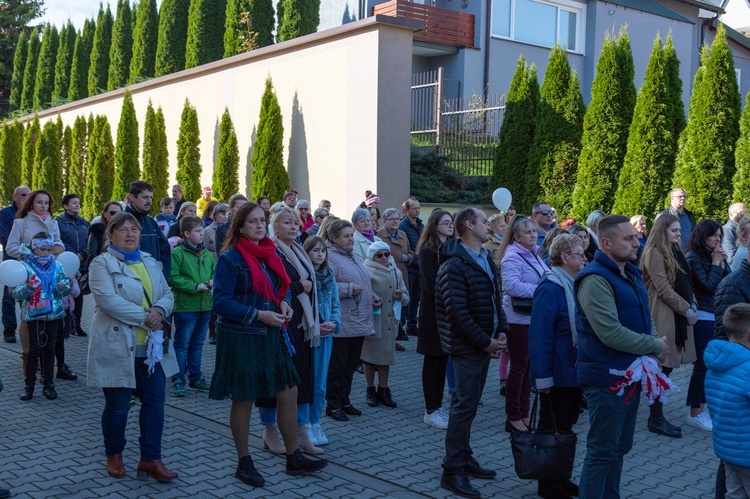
(191, 280)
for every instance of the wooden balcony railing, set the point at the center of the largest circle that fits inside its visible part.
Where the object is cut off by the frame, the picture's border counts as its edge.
(441, 26)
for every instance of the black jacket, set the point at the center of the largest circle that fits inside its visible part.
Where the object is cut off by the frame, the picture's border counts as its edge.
(706, 278)
(734, 288)
(464, 301)
(153, 241)
(428, 341)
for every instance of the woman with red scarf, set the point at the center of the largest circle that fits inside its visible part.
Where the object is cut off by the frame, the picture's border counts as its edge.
(253, 347)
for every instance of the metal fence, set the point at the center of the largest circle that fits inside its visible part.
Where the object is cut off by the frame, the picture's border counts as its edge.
(465, 129)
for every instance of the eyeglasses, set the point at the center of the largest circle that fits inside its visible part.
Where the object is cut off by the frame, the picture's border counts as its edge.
(545, 212)
(392, 219)
(447, 223)
(383, 254)
(113, 212)
(581, 254)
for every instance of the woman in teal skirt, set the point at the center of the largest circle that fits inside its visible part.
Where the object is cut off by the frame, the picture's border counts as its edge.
(253, 350)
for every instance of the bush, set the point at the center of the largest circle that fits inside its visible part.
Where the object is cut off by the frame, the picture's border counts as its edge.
(434, 181)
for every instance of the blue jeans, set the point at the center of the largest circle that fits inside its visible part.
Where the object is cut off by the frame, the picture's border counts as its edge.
(151, 391)
(612, 425)
(268, 415)
(9, 310)
(450, 376)
(189, 336)
(703, 332)
(321, 359)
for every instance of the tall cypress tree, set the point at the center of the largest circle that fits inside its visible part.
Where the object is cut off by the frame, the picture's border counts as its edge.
(121, 50)
(226, 179)
(78, 158)
(297, 18)
(705, 160)
(29, 72)
(262, 23)
(517, 132)
(79, 87)
(66, 157)
(11, 152)
(270, 178)
(674, 87)
(19, 64)
(188, 153)
(144, 41)
(553, 159)
(101, 162)
(605, 128)
(30, 138)
(205, 36)
(155, 155)
(48, 162)
(652, 144)
(45, 70)
(64, 63)
(170, 46)
(99, 67)
(127, 168)
(741, 179)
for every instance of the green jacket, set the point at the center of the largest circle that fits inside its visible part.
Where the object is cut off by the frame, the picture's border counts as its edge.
(189, 270)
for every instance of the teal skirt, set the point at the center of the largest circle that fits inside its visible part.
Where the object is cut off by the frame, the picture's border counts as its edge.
(251, 366)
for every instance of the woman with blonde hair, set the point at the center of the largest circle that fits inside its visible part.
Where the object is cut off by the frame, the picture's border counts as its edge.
(639, 224)
(743, 236)
(496, 227)
(668, 280)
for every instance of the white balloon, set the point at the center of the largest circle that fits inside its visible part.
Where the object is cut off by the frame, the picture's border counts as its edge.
(12, 273)
(70, 262)
(502, 199)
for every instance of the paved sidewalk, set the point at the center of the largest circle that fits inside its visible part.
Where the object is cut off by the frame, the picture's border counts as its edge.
(55, 449)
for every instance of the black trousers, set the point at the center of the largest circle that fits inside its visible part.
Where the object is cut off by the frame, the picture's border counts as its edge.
(344, 359)
(42, 338)
(78, 312)
(433, 381)
(471, 374)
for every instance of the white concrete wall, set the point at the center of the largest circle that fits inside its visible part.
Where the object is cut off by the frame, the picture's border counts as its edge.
(344, 96)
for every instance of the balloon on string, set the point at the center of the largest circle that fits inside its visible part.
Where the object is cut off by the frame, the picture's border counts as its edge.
(502, 199)
(12, 273)
(70, 263)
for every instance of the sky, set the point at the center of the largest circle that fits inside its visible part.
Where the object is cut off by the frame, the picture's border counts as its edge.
(58, 11)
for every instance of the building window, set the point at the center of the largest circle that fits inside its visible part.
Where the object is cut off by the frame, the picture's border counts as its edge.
(541, 23)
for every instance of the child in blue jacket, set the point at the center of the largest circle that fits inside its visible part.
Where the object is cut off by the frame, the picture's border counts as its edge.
(728, 398)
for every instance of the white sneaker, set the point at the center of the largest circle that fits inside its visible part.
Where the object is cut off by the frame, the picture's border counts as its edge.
(702, 421)
(444, 413)
(311, 435)
(319, 434)
(436, 419)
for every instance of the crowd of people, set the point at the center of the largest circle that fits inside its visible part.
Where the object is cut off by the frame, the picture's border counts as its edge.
(298, 300)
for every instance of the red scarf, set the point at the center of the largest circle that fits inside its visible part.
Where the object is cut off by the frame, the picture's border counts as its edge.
(265, 250)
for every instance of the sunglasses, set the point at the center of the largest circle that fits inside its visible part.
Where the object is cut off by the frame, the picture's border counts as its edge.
(545, 212)
(113, 212)
(382, 254)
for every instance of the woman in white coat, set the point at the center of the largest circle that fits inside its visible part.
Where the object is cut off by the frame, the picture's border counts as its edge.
(127, 349)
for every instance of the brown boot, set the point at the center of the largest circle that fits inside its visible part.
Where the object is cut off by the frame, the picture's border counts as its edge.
(304, 442)
(115, 467)
(154, 469)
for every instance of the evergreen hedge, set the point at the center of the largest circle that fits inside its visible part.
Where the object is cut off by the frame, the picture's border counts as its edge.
(79, 158)
(121, 50)
(144, 41)
(19, 63)
(64, 63)
(11, 152)
(262, 23)
(205, 36)
(297, 18)
(705, 161)
(79, 71)
(48, 162)
(270, 178)
(30, 138)
(188, 153)
(127, 169)
(226, 180)
(101, 161)
(517, 132)
(99, 66)
(66, 158)
(605, 128)
(45, 69)
(155, 155)
(172, 37)
(741, 179)
(29, 72)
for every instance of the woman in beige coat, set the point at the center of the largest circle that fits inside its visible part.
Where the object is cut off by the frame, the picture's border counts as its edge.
(667, 276)
(127, 349)
(378, 350)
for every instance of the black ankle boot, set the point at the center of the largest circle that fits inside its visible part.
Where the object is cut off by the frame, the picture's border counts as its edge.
(49, 392)
(297, 464)
(658, 424)
(248, 474)
(384, 397)
(372, 397)
(28, 393)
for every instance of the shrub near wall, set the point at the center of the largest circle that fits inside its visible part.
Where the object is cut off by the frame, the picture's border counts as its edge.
(188, 153)
(155, 155)
(127, 169)
(226, 179)
(270, 178)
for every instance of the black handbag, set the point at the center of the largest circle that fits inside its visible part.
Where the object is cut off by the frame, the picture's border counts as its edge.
(523, 305)
(83, 283)
(545, 455)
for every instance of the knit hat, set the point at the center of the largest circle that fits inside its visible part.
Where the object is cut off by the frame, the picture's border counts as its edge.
(375, 247)
(370, 201)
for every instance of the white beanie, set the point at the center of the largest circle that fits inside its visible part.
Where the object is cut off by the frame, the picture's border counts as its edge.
(375, 247)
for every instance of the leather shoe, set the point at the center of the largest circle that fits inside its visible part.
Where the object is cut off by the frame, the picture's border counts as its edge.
(9, 336)
(351, 410)
(115, 467)
(248, 474)
(65, 372)
(154, 469)
(400, 348)
(336, 414)
(570, 488)
(473, 469)
(459, 484)
(4, 493)
(661, 426)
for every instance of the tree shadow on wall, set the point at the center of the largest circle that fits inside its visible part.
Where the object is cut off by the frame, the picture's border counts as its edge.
(347, 17)
(297, 167)
(249, 165)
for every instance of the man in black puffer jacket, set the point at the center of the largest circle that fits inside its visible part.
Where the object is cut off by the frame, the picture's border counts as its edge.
(472, 326)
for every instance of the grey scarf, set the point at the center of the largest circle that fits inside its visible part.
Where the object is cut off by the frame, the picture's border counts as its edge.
(563, 279)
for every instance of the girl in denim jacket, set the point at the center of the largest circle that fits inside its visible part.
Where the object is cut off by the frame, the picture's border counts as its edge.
(42, 309)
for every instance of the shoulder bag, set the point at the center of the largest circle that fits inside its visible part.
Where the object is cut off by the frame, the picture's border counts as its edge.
(523, 305)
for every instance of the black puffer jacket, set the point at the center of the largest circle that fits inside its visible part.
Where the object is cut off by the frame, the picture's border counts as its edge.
(706, 278)
(734, 288)
(464, 300)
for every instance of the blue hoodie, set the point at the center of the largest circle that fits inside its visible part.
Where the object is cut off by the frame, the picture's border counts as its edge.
(728, 399)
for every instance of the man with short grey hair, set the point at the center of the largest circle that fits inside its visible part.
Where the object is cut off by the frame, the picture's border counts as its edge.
(543, 214)
(729, 237)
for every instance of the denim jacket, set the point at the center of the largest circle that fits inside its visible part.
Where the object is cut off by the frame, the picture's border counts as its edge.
(329, 305)
(235, 302)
